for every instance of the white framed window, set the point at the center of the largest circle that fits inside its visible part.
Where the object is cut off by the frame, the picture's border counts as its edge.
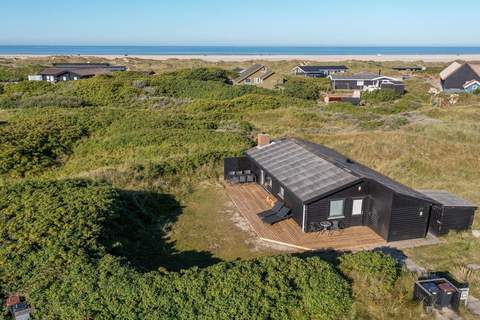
(360, 83)
(336, 208)
(256, 80)
(248, 81)
(281, 193)
(268, 182)
(357, 207)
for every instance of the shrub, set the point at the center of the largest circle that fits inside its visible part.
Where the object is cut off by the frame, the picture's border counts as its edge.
(373, 273)
(53, 251)
(202, 74)
(51, 100)
(30, 145)
(376, 96)
(477, 91)
(305, 88)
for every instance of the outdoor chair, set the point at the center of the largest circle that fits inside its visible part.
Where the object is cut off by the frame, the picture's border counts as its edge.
(243, 179)
(250, 178)
(234, 180)
(247, 171)
(239, 173)
(276, 209)
(283, 214)
(336, 226)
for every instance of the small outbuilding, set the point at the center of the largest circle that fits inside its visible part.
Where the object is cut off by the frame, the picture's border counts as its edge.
(452, 212)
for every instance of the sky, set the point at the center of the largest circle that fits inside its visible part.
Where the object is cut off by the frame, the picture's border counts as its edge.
(240, 22)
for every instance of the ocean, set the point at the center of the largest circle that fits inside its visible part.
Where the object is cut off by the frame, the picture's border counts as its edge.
(230, 50)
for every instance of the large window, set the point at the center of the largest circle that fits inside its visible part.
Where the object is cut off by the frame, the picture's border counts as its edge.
(357, 207)
(336, 208)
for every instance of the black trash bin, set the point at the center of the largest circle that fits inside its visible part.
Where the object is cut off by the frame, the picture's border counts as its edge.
(446, 295)
(434, 291)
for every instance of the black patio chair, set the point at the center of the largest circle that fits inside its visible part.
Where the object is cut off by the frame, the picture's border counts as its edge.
(250, 178)
(238, 172)
(243, 179)
(247, 171)
(276, 209)
(336, 226)
(283, 214)
(234, 180)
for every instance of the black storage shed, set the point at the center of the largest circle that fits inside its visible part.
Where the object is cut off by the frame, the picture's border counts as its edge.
(453, 213)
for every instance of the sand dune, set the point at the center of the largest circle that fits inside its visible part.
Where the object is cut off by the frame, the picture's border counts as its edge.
(326, 58)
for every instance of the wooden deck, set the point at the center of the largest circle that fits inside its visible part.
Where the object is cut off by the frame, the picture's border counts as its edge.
(252, 199)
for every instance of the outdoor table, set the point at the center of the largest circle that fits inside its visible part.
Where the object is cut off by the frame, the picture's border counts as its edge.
(325, 225)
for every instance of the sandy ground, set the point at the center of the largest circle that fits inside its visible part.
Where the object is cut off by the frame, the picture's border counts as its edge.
(325, 58)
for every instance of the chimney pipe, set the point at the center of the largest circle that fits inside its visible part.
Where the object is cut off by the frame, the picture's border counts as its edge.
(263, 140)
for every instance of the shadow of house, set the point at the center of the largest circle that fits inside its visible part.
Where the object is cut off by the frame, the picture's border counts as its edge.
(138, 232)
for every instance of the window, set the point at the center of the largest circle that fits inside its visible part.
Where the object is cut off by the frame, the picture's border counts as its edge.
(268, 182)
(336, 208)
(357, 207)
(360, 83)
(281, 193)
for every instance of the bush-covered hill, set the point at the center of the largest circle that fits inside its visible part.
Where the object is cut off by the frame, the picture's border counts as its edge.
(58, 238)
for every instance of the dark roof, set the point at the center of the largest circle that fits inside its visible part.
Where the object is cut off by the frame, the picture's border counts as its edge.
(82, 72)
(407, 68)
(312, 171)
(447, 199)
(53, 71)
(314, 69)
(85, 72)
(81, 65)
(360, 76)
(299, 170)
(248, 72)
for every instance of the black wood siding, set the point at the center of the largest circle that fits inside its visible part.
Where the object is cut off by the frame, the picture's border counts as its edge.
(380, 205)
(236, 164)
(319, 210)
(409, 218)
(445, 219)
(290, 200)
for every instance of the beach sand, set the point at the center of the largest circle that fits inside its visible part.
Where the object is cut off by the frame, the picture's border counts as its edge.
(231, 58)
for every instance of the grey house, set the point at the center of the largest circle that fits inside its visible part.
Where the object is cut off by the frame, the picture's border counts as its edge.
(318, 71)
(459, 77)
(366, 81)
(319, 184)
(74, 71)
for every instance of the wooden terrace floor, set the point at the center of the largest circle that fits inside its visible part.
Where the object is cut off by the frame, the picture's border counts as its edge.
(252, 199)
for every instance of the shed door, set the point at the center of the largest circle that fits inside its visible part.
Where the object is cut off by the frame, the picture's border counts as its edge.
(436, 220)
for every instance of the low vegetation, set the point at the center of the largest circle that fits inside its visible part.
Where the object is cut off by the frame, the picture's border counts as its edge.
(110, 204)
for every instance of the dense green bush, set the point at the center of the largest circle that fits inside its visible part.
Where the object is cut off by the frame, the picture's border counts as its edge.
(31, 145)
(54, 252)
(376, 96)
(372, 267)
(305, 88)
(51, 100)
(477, 91)
(203, 74)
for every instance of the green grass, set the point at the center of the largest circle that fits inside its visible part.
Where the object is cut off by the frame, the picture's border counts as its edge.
(148, 142)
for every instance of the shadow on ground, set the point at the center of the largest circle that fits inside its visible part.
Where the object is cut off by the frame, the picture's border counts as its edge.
(138, 232)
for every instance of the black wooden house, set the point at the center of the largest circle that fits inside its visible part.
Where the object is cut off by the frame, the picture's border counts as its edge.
(319, 184)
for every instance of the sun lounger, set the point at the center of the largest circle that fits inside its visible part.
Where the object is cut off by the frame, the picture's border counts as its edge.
(276, 209)
(283, 214)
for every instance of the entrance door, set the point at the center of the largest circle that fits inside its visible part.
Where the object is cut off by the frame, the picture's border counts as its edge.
(436, 221)
(262, 177)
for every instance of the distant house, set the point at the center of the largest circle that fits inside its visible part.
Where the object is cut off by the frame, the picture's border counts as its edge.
(74, 71)
(409, 68)
(366, 81)
(259, 75)
(460, 77)
(318, 71)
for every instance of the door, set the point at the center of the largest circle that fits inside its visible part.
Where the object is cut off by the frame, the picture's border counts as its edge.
(436, 220)
(262, 177)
